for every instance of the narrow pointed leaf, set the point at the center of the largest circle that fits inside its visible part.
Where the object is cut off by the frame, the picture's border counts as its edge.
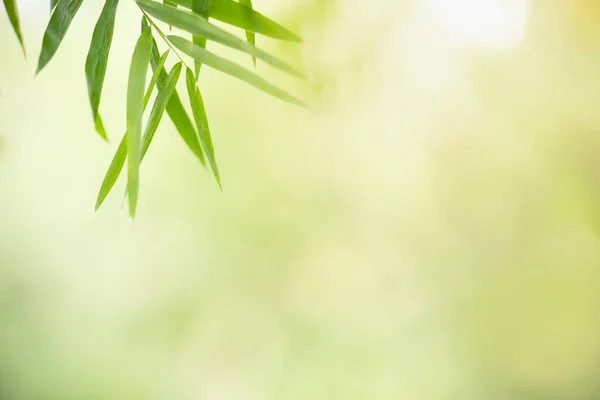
(199, 114)
(169, 3)
(196, 25)
(13, 16)
(244, 17)
(97, 59)
(250, 37)
(200, 7)
(57, 29)
(135, 110)
(52, 5)
(233, 69)
(157, 71)
(177, 113)
(116, 165)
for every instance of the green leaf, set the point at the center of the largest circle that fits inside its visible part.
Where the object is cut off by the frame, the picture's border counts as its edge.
(135, 110)
(233, 69)
(196, 25)
(57, 29)
(160, 103)
(244, 17)
(200, 7)
(157, 71)
(201, 122)
(97, 59)
(52, 5)
(118, 161)
(177, 113)
(13, 16)
(169, 3)
(250, 37)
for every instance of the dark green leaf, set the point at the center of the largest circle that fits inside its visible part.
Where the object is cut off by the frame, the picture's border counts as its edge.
(177, 113)
(57, 29)
(250, 37)
(199, 114)
(13, 16)
(157, 71)
(196, 25)
(233, 69)
(52, 5)
(241, 16)
(200, 7)
(135, 110)
(97, 59)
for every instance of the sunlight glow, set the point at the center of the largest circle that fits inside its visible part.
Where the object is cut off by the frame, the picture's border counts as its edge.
(491, 24)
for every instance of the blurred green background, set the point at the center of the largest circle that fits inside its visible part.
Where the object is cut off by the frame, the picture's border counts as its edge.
(429, 232)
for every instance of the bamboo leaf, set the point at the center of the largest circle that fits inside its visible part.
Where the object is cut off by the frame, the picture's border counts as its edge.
(13, 16)
(250, 37)
(244, 17)
(114, 169)
(199, 114)
(52, 5)
(233, 69)
(169, 3)
(97, 59)
(135, 110)
(176, 112)
(57, 29)
(196, 25)
(200, 7)
(157, 71)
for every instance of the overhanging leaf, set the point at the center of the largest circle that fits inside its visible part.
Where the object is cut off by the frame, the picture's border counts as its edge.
(57, 29)
(116, 164)
(135, 109)
(244, 17)
(199, 114)
(176, 111)
(13, 16)
(233, 69)
(196, 25)
(97, 59)
(52, 5)
(250, 37)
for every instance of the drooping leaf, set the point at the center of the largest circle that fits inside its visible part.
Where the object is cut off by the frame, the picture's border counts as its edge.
(160, 103)
(135, 109)
(52, 5)
(116, 165)
(233, 69)
(57, 29)
(97, 59)
(13, 16)
(199, 114)
(176, 112)
(157, 71)
(250, 37)
(200, 7)
(244, 17)
(196, 25)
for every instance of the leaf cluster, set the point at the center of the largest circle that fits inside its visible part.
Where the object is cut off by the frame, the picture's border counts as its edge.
(189, 16)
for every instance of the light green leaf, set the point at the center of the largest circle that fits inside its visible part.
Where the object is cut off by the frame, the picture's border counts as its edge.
(57, 29)
(135, 110)
(169, 3)
(196, 25)
(118, 161)
(13, 16)
(177, 113)
(97, 59)
(241, 16)
(157, 71)
(200, 7)
(233, 69)
(250, 37)
(199, 114)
